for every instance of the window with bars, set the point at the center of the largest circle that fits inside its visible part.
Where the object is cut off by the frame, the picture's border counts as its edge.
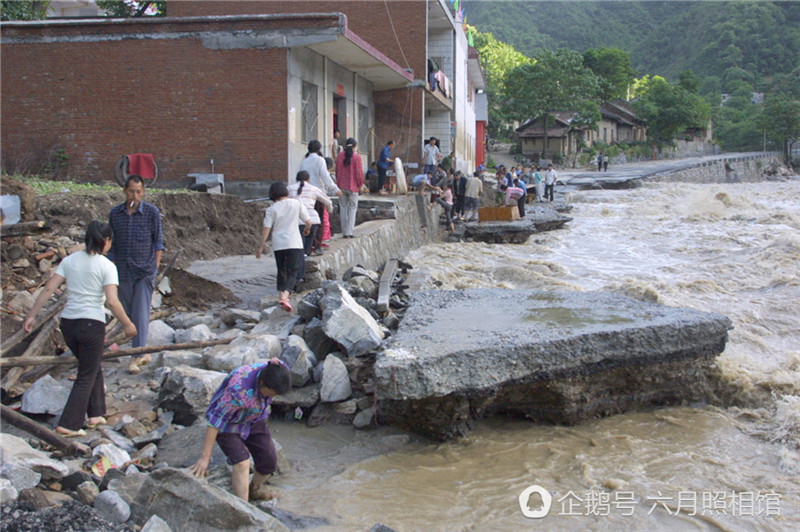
(363, 127)
(309, 112)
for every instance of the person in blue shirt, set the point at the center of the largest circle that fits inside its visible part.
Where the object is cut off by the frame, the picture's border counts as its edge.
(384, 160)
(136, 251)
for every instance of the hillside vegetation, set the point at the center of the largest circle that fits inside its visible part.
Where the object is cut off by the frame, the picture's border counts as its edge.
(727, 40)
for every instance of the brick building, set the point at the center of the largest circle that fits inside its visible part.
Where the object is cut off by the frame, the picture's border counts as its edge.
(244, 84)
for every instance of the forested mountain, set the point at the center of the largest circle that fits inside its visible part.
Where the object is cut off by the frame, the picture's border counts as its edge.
(751, 41)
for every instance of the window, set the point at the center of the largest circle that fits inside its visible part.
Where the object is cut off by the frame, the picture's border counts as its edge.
(363, 127)
(309, 112)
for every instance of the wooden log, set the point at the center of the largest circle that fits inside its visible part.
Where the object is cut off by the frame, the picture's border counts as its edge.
(23, 229)
(107, 355)
(15, 339)
(43, 433)
(30, 354)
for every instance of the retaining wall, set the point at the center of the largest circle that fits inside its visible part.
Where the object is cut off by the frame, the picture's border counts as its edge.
(413, 225)
(726, 169)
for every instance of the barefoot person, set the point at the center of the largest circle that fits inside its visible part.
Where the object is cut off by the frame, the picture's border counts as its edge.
(237, 421)
(91, 281)
(283, 220)
(136, 251)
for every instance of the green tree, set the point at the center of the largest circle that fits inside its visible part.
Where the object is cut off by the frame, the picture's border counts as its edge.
(23, 10)
(613, 67)
(497, 59)
(780, 119)
(133, 8)
(669, 109)
(688, 81)
(556, 80)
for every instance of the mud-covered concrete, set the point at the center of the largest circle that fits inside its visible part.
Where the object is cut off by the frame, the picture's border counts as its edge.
(538, 217)
(559, 357)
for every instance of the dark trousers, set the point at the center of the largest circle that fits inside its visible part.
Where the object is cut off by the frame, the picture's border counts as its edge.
(320, 208)
(548, 191)
(381, 177)
(308, 241)
(521, 205)
(460, 205)
(88, 397)
(258, 444)
(290, 262)
(448, 210)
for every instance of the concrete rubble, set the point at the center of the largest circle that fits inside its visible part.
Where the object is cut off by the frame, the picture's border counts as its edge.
(568, 357)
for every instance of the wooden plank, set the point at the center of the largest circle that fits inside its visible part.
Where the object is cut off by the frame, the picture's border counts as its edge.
(385, 285)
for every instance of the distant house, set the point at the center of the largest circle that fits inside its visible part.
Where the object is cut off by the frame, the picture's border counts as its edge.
(563, 137)
(618, 124)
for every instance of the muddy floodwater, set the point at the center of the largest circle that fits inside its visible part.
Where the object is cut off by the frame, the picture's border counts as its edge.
(732, 249)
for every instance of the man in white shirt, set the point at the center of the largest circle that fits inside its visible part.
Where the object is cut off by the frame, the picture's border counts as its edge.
(431, 156)
(550, 178)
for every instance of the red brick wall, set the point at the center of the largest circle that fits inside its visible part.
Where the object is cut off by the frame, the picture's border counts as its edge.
(174, 98)
(367, 18)
(398, 116)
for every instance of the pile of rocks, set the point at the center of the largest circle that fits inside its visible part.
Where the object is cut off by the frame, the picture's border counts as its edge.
(134, 475)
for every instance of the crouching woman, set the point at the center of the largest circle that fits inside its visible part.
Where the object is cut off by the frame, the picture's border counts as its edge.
(237, 421)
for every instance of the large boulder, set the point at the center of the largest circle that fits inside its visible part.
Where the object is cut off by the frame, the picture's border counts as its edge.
(187, 391)
(335, 381)
(317, 340)
(159, 333)
(232, 357)
(45, 396)
(181, 357)
(188, 504)
(16, 451)
(347, 322)
(196, 333)
(299, 358)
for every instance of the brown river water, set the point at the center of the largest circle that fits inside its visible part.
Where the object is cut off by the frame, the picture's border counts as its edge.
(727, 248)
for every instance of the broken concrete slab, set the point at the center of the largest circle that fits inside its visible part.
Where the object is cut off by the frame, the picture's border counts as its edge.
(537, 218)
(558, 357)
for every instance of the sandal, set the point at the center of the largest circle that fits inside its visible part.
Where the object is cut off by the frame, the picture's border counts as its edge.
(103, 421)
(285, 305)
(70, 433)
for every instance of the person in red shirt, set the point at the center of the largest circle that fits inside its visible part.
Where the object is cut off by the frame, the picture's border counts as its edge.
(350, 180)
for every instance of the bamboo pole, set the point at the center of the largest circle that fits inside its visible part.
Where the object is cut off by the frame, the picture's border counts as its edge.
(107, 355)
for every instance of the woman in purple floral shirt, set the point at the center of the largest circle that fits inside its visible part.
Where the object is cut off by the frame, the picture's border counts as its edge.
(237, 421)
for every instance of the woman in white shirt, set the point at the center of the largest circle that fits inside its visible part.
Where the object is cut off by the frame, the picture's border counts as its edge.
(309, 195)
(320, 176)
(91, 281)
(283, 219)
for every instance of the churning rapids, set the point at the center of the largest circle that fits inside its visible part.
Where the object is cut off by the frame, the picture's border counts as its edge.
(727, 248)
